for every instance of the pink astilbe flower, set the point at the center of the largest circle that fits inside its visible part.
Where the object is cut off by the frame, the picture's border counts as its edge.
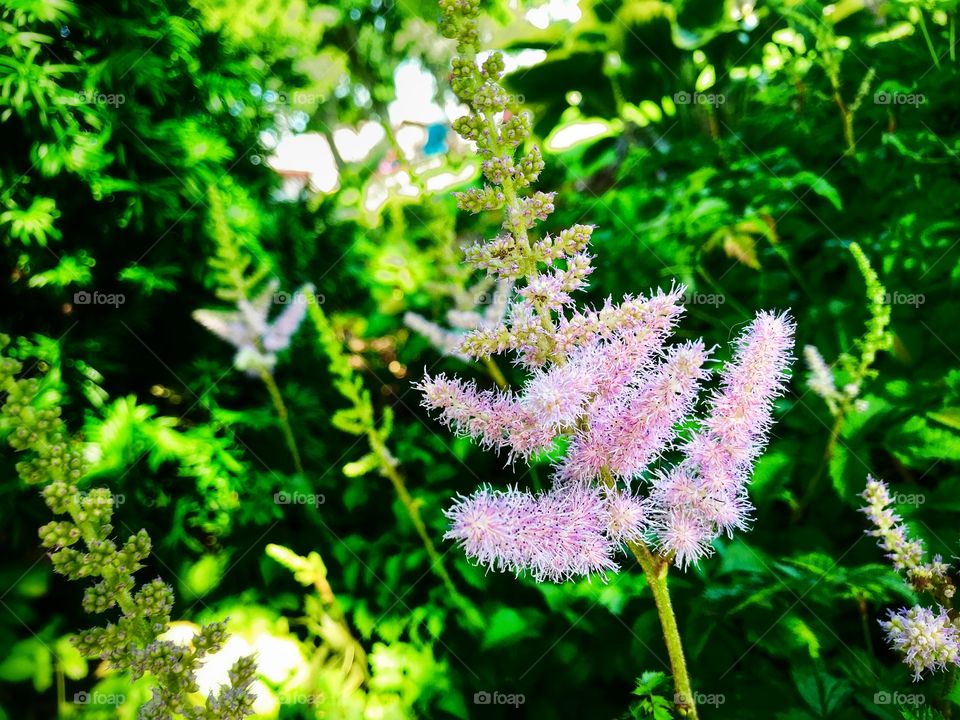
(604, 383)
(626, 516)
(928, 640)
(623, 407)
(556, 397)
(710, 482)
(904, 552)
(492, 417)
(686, 532)
(627, 432)
(570, 531)
(256, 338)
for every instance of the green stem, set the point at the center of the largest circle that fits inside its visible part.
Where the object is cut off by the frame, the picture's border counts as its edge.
(61, 692)
(655, 567)
(846, 118)
(283, 416)
(951, 681)
(388, 466)
(828, 452)
(496, 373)
(929, 41)
(953, 37)
(863, 611)
(354, 654)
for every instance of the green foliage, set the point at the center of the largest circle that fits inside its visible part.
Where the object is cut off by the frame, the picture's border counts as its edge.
(653, 703)
(782, 154)
(81, 547)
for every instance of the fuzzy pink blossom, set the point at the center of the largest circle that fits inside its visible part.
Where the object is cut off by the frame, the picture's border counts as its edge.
(927, 640)
(556, 397)
(570, 531)
(710, 482)
(604, 383)
(492, 417)
(623, 399)
(626, 433)
(686, 533)
(637, 316)
(626, 516)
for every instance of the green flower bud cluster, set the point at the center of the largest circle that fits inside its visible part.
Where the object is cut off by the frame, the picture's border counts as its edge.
(546, 271)
(499, 169)
(841, 388)
(526, 212)
(480, 199)
(80, 546)
(877, 337)
(459, 21)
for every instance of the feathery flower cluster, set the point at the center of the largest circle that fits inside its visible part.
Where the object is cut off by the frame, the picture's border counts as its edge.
(706, 493)
(80, 547)
(563, 533)
(927, 640)
(853, 370)
(905, 553)
(484, 309)
(820, 380)
(605, 379)
(247, 328)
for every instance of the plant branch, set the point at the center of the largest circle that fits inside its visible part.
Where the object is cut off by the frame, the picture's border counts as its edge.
(655, 568)
(283, 416)
(389, 468)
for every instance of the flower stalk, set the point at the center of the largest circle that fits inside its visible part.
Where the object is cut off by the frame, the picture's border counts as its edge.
(81, 546)
(927, 637)
(359, 420)
(655, 568)
(604, 381)
(388, 466)
(841, 384)
(283, 417)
